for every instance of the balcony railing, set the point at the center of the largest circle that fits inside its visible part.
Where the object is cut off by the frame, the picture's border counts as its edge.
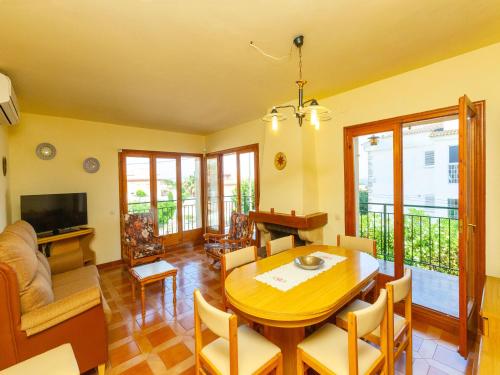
(167, 214)
(430, 240)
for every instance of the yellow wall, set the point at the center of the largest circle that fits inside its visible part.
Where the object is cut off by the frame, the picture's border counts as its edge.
(4, 211)
(76, 140)
(476, 74)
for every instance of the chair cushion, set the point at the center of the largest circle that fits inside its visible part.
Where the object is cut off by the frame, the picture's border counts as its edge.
(15, 252)
(67, 283)
(24, 230)
(146, 250)
(38, 293)
(43, 265)
(253, 352)
(329, 346)
(358, 304)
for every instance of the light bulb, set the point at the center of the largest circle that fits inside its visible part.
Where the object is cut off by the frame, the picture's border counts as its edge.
(274, 123)
(314, 118)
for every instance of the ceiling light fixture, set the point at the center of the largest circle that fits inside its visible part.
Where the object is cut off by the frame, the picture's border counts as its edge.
(309, 109)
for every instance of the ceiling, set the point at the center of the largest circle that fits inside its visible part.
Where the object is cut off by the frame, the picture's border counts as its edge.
(187, 65)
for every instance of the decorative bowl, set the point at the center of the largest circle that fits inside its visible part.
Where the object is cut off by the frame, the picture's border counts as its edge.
(309, 262)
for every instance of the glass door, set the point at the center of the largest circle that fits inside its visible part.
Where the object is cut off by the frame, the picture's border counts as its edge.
(138, 184)
(167, 201)
(374, 193)
(213, 202)
(247, 181)
(230, 186)
(191, 193)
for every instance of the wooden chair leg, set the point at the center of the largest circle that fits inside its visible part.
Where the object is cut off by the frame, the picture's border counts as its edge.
(409, 355)
(300, 363)
(101, 369)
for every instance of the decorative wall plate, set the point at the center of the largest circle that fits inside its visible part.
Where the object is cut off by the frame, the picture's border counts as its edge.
(91, 165)
(45, 151)
(280, 161)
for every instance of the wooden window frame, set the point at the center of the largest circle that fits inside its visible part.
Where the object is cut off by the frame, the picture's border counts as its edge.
(395, 125)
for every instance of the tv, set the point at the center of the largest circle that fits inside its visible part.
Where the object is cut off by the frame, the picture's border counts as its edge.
(54, 212)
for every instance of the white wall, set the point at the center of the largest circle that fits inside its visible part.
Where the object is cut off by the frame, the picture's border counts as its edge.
(476, 74)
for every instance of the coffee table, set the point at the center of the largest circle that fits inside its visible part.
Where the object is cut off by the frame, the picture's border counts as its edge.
(151, 273)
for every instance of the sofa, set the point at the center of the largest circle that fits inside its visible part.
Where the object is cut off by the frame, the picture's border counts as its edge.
(47, 302)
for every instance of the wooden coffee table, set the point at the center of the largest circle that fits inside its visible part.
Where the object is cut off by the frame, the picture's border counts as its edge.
(151, 273)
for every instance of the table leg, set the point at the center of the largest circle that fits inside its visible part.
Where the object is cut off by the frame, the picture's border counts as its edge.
(174, 289)
(163, 287)
(287, 339)
(143, 301)
(132, 283)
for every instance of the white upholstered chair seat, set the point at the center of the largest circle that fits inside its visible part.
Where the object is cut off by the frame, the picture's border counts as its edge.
(254, 351)
(329, 346)
(358, 304)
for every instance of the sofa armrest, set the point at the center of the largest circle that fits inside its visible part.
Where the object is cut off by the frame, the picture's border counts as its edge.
(66, 261)
(58, 311)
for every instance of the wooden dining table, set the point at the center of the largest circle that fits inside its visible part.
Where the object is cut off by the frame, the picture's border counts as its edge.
(285, 315)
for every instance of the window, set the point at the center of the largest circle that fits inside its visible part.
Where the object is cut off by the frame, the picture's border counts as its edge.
(453, 165)
(430, 200)
(429, 159)
(453, 208)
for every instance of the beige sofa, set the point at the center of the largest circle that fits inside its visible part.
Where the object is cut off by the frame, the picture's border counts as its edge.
(48, 302)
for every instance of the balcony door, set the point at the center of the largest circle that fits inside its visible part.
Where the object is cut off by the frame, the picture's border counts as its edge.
(231, 185)
(415, 184)
(170, 186)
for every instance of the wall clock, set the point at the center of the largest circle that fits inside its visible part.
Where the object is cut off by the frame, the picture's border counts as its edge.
(280, 161)
(91, 165)
(45, 151)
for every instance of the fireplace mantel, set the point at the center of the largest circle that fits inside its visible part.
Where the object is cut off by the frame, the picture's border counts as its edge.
(306, 222)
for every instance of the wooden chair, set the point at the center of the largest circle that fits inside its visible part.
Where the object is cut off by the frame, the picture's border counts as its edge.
(239, 236)
(233, 260)
(365, 245)
(399, 329)
(140, 244)
(331, 350)
(237, 350)
(280, 244)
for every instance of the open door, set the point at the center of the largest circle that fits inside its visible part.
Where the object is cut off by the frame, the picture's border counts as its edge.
(468, 220)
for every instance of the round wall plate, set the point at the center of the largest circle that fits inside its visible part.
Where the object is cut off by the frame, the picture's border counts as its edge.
(91, 165)
(280, 161)
(45, 151)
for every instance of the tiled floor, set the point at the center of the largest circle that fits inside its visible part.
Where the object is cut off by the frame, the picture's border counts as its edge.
(164, 343)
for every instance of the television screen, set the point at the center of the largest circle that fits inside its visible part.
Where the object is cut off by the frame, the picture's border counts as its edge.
(52, 212)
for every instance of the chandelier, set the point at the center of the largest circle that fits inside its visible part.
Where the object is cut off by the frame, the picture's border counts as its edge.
(309, 110)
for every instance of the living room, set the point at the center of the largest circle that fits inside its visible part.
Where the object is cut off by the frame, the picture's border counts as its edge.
(150, 80)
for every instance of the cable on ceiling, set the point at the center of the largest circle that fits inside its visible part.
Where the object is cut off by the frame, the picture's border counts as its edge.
(263, 53)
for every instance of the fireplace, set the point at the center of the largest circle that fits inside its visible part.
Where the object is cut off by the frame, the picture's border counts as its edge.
(307, 229)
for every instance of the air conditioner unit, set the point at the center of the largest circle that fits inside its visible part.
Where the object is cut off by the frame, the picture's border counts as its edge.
(9, 110)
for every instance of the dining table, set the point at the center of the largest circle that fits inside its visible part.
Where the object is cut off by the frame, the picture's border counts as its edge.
(285, 314)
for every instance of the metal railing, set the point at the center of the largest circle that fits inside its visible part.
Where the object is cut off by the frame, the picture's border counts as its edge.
(167, 214)
(430, 240)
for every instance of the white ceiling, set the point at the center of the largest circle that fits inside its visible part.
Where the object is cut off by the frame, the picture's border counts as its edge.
(186, 65)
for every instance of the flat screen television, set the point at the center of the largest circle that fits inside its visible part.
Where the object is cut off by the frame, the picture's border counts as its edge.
(54, 212)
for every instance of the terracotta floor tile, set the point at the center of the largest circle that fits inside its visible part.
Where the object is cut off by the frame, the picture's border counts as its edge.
(139, 369)
(123, 353)
(118, 333)
(175, 354)
(160, 335)
(189, 371)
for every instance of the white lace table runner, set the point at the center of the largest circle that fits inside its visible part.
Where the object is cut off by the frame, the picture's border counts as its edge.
(289, 275)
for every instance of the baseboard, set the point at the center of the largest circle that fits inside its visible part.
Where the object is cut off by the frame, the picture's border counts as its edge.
(108, 265)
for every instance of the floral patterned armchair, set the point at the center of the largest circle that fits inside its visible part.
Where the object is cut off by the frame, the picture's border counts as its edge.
(140, 245)
(239, 236)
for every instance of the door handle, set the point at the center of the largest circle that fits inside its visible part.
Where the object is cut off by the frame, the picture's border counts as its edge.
(472, 225)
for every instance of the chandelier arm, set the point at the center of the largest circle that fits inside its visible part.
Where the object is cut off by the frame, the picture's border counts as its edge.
(308, 102)
(285, 106)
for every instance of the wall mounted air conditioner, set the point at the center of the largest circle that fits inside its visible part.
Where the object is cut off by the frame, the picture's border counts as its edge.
(9, 110)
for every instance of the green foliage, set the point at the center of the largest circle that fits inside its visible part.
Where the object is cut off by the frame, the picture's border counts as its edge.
(363, 200)
(430, 242)
(247, 196)
(140, 193)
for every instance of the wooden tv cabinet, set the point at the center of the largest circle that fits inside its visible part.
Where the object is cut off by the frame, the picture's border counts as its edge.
(69, 241)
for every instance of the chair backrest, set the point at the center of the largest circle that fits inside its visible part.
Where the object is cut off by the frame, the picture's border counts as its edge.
(400, 288)
(138, 228)
(238, 258)
(280, 244)
(365, 245)
(371, 317)
(240, 226)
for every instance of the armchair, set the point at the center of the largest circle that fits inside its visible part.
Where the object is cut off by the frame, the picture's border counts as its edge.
(239, 236)
(140, 244)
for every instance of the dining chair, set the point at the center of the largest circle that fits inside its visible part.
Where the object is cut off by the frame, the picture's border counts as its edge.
(232, 260)
(280, 244)
(365, 245)
(331, 350)
(399, 328)
(237, 350)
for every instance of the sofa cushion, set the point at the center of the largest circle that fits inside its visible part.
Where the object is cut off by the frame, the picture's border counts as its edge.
(71, 282)
(15, 252)
(24, 230)
(38, 293)
(43, 265)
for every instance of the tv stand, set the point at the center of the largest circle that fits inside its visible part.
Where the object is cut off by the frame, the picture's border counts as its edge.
(68, 241)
